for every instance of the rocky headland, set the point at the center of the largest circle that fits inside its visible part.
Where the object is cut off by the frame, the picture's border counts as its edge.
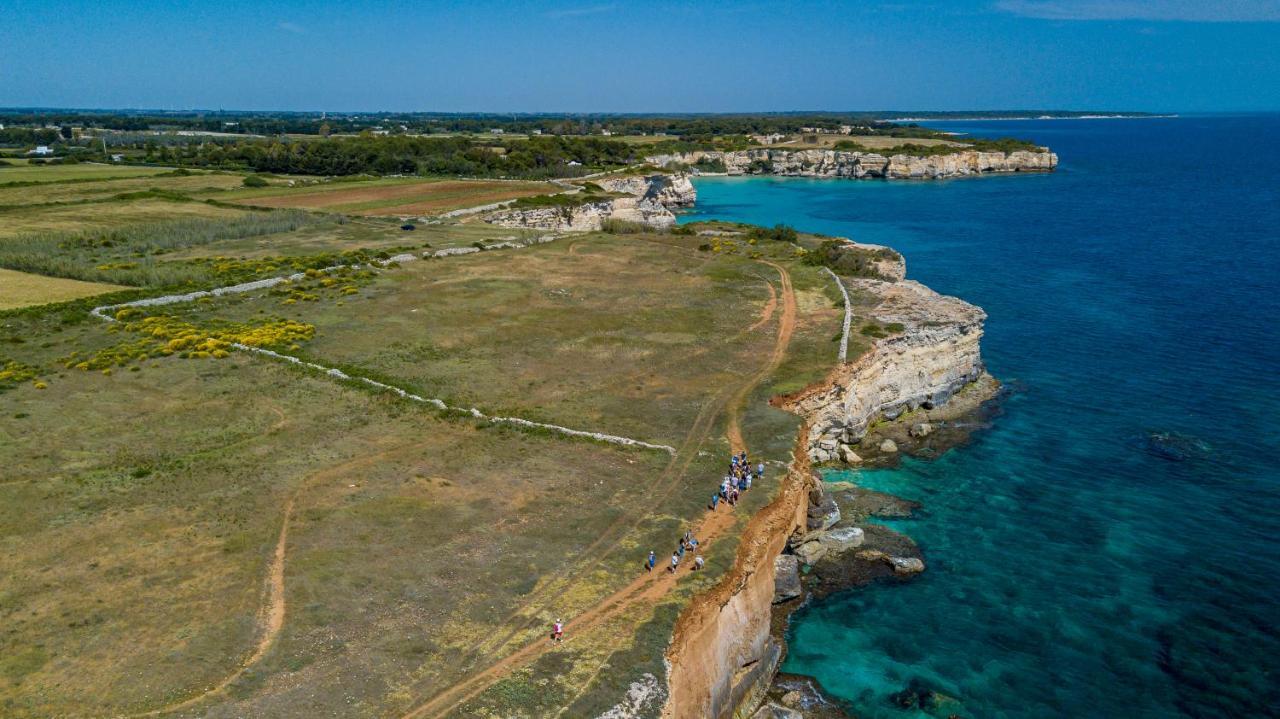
(931, 356)
(857, 165)
(642, 199)
(914, 388)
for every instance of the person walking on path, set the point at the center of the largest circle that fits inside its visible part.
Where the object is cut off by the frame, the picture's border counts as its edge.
(760, 470)
(557, 631)
(698, 561)
(675, 562)
(715, 499)
(653, 559)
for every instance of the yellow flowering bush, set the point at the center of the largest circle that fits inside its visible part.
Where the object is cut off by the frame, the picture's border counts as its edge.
(12, 372)
(166, 335)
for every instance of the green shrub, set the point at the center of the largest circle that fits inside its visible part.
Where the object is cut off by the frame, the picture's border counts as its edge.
(254, 181)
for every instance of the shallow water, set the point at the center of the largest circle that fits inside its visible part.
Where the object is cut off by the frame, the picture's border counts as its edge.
(1111, 547)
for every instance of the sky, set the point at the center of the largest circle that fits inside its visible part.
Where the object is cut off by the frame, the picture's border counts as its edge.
(648, 56)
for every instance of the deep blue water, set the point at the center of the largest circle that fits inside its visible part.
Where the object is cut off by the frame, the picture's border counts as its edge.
(1075, 569)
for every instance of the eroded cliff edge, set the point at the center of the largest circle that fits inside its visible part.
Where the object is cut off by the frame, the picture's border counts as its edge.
(723, 654)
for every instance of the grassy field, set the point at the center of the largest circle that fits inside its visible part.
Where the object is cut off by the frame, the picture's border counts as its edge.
(173, 493)
(98, 190)
(22, 289)
(98, 216)
(392, 196)
(596, 341)
(220, 534)
(21, 171)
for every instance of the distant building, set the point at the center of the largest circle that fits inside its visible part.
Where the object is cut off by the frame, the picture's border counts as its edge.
(117, 158)
(573, 163)
(606, 133)
(769, 139)
(497, 131)
(41, 150)
(537, 131)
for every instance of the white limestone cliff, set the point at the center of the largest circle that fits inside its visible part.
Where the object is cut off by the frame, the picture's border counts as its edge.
(856, 165)
(935, 354)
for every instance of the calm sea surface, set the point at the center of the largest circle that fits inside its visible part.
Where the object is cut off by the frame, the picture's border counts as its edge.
(1111, 548)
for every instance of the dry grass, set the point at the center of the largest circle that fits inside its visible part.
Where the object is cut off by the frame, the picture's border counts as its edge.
(21, 289)
(140, 511)
(398, 197)
(106, 189)
(75, 218)
(24, 172)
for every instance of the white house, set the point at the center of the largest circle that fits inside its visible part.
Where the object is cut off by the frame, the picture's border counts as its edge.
(41, 150)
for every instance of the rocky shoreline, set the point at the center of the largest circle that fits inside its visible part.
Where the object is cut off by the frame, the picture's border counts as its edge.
(843, 550)
(869, 165)
(919, 389)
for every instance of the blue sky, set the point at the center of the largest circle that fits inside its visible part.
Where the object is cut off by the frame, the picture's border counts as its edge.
(602, 56)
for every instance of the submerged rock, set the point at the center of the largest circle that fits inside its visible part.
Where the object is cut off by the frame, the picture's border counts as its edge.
(774, 711)
(1174, 446)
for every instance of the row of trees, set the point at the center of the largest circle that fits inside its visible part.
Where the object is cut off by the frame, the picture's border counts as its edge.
(303, 123)
(537, 157)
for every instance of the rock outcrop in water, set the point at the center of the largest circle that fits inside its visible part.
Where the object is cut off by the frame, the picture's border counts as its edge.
(857, 165)
(645, 200)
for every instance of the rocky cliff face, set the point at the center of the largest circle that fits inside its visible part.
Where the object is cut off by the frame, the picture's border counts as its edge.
(935, 354)
(648, 201)
(670, 191)
(837, 163)
(723, 656)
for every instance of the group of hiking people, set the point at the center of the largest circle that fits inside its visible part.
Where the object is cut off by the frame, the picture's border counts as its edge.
(738, 480)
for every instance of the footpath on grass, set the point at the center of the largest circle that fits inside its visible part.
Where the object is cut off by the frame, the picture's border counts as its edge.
(648, 588)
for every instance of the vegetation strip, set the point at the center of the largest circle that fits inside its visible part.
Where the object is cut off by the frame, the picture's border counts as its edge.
(106, 313)
(848, 316)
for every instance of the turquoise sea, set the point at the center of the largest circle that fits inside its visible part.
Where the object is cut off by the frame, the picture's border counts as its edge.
(1111, 546)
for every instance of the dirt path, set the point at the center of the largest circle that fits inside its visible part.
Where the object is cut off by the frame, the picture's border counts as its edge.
(650, 586)
(786, 327)
(271, 612)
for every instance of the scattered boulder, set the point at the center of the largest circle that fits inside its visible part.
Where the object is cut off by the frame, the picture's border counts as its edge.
(811, 552)
(906, 565)
(849, 456)
(790, 699)
(823, 511)
(888, 446)
(922, 429)
(786, 578)
(839, 540)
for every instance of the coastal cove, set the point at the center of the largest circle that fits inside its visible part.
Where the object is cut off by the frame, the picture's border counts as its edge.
(1107, 547)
